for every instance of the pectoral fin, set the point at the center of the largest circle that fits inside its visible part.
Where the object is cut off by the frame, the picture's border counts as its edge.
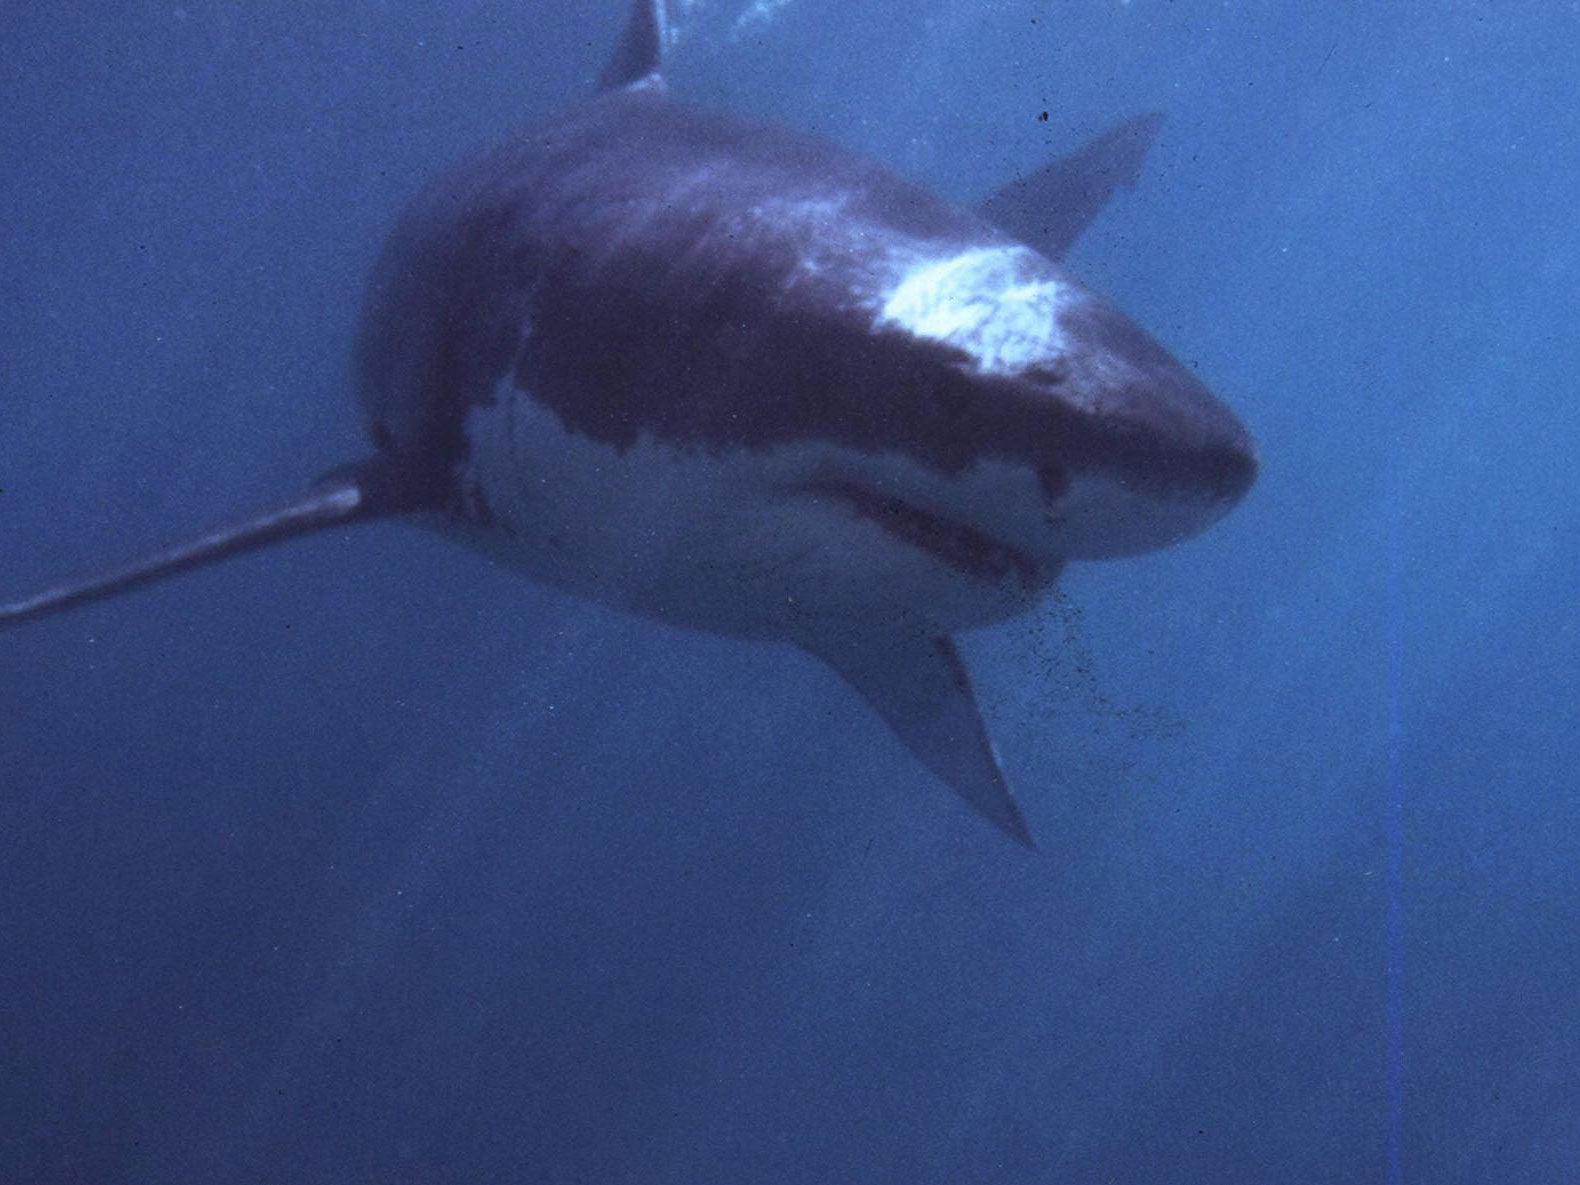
(922, 690)
(353, 493)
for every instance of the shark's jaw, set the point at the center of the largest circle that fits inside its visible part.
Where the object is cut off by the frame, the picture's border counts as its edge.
(763, 543)
(974, 553)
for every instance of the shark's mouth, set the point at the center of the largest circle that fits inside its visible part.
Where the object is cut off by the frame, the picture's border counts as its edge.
(965, 549)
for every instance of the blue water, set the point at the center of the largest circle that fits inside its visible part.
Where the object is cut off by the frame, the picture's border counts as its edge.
(362, 861)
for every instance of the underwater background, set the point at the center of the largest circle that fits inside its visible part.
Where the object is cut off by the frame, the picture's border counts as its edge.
(361, 860)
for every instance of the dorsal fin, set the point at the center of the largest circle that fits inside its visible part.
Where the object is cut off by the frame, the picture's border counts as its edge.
(353, 493)
(638, 57)
(1049, 209)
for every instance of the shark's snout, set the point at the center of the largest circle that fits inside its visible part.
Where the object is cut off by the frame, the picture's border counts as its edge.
(1153, 406)
(1148, 455)
(1128, 449)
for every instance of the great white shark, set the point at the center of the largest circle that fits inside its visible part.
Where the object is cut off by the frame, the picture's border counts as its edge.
(724, 376)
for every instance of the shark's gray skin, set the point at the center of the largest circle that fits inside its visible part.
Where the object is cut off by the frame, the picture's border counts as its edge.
(727, 377)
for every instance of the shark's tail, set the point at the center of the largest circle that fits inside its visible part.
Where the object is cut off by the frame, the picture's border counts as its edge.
(353, 493)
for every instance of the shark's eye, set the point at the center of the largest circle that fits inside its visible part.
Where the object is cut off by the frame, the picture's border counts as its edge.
(382, 439)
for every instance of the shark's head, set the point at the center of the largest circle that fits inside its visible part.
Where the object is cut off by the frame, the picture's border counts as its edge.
(1115, 447)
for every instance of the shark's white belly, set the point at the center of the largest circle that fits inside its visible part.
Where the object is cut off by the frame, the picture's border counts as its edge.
(741, 542)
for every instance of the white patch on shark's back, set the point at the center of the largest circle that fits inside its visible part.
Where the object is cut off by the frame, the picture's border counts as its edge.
(1000, 305)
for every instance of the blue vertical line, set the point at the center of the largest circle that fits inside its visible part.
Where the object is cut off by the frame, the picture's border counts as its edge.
(1395, 936)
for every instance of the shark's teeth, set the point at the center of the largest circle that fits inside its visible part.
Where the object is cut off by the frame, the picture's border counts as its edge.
(963, 548)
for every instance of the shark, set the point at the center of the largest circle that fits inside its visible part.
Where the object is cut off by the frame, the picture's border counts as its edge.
(718, 374)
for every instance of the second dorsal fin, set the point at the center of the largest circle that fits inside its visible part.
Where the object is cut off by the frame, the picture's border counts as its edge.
(638, 57)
